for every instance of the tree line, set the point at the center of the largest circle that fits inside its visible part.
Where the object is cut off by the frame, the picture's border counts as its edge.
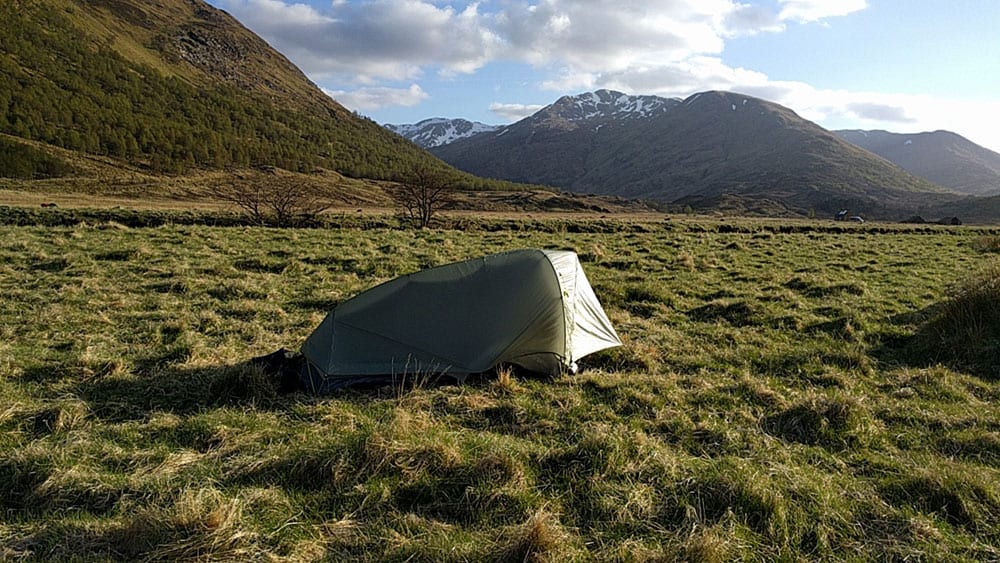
(24, 162)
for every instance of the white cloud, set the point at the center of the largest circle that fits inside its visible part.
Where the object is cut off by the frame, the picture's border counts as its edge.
(747, 19)
(637, 46)
(277, 11)
(368, 99)
(367, 41)
(514, 112)
(610, 34)
(879, 112)
(681, 78)
(371, 40)
(814, 10)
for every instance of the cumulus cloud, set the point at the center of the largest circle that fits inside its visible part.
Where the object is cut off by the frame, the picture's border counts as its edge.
(514, 112)
(371, 40)
(879, 112)
(681, 78)
(747, 19)
(374, 39)
(667, 48)
(610, 34)
(378, 97)
(279, 12)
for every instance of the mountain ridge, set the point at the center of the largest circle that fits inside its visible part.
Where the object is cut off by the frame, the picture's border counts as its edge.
(437, 131)
(943, 157)
(600, 104)
(605, 104)
(708, 145)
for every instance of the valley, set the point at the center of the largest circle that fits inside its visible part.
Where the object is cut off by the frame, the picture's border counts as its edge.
(177, 198)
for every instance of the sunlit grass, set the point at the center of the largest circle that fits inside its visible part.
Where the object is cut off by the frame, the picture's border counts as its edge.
(773, 400)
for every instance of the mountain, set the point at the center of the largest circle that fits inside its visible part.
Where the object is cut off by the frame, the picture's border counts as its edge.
(553, 144)
(941, 157)
(602, 106)
(438, 131)
(171, 87)
(709, 146)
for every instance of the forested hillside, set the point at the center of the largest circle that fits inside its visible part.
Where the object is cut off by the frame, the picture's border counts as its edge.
(174, 85)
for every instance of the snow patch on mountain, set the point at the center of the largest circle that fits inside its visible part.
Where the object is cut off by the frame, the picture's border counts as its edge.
(608, 104)
(599, 105)
(438, 131)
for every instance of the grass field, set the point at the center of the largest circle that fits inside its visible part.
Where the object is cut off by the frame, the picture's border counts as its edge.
(780, 395)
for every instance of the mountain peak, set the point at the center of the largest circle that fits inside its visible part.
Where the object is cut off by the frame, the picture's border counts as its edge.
(437, 131)
(607, 104)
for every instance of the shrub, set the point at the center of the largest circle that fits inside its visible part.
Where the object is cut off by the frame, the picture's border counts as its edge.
(987, 243)
(966, 328)
(282, 203)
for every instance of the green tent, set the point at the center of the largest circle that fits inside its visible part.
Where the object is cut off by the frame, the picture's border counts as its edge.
(531, 308)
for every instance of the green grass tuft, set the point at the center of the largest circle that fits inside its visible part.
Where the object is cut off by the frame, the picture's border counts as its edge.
(965, 329)
(834, 422)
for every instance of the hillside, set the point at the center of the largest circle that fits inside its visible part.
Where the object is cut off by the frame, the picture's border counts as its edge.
(174, 86)
(693, 152)
(942, 157)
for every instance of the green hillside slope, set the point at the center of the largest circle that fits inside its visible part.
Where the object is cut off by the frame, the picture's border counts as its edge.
(942, 157)
(176, 85)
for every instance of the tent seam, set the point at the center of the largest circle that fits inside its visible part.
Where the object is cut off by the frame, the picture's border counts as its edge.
(562, 300)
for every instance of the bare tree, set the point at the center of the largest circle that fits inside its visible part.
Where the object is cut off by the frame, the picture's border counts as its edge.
(276, 204)
(423, 193)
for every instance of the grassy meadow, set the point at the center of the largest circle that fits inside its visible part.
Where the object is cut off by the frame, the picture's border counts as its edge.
(780, 395)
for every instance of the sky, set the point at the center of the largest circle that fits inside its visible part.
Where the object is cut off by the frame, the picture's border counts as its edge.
(900, 65)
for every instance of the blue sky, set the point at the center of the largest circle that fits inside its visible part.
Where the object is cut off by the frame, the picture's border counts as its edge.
(901, 65)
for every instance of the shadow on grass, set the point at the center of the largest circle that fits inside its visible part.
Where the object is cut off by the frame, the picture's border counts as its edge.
(156, 384)
(176, 390)
(834, 424)
(738, 314)
(963, 330)
(140, 537)
(315, 304)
